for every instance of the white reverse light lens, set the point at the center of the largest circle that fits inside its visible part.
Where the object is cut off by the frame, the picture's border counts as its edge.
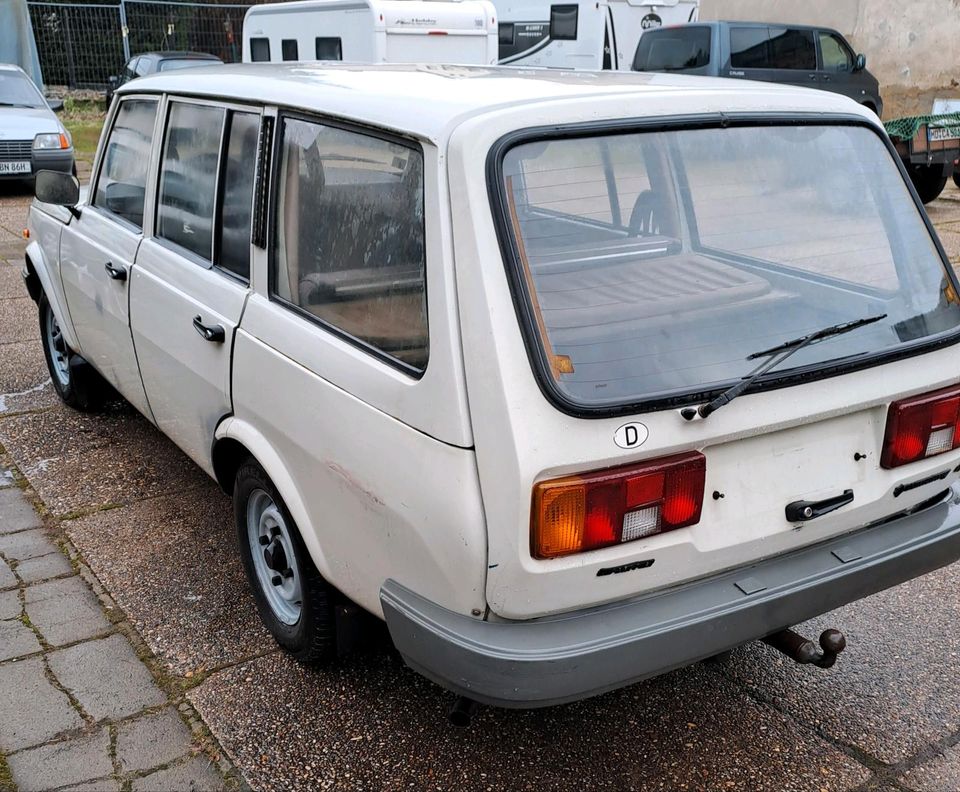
(47, 141)
(640, 523)
(940, 440)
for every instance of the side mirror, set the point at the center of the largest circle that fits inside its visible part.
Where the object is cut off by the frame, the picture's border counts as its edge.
(113, 80)
(861, 63)
(55, 104)
(57, 187)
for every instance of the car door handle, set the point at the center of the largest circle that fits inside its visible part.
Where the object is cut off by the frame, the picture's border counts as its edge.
(213, 333)
(117, 273)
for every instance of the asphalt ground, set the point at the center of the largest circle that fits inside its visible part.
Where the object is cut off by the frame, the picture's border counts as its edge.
(158, 536)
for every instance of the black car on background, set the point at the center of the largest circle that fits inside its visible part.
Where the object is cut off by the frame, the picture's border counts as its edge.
(151, 62)
(812, 57)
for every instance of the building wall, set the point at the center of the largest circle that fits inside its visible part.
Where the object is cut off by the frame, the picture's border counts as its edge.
(912, 46)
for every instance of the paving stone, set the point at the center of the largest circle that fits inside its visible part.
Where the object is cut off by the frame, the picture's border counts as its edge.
(16, 640)
(9, 604)
(26, 544)
(152, 740)
(938, 774)
(18, 318)
(16, 513)
(100, 785)
(24, 378)
(106, 677)
(31, 709)
(65, 611)
(44, 567)
(68, 762)
(7, 578)
(6, 478)
(196, 775)
(11, 283)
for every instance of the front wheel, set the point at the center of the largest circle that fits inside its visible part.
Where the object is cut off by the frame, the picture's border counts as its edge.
(929, 181)
(294, 602)
(81, 388)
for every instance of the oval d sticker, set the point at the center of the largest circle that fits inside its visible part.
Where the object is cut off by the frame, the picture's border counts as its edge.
(631, 435)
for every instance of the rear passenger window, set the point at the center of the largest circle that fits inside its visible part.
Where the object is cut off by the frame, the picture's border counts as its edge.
(122, 185)
(772, 48)
(348, 248)
(238, 177)
(188, 177)
(288, 50)
(259, 49)
(748, 48)
(329, 49)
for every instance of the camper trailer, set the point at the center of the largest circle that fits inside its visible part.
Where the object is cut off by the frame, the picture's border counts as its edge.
(372, 31)
(582, 35)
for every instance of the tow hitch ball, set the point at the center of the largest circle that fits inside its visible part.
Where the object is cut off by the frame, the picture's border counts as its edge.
(804, 651)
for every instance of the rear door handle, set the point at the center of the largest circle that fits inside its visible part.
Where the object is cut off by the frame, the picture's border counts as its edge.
(117, 273)
(801, 511)
(213, 333)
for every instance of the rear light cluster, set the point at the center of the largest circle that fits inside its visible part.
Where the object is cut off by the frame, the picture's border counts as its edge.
(589, 511)
(921, 426)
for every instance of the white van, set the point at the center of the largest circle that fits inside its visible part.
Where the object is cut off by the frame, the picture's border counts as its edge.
(572, 377)
(582, 35)
(372, 31)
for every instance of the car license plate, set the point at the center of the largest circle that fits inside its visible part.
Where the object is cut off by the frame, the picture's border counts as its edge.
(7, 168)
(942, 133)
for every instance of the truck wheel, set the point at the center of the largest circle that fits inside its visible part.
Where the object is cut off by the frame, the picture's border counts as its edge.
(929, 181)
(956, 176)
(79, 387)
(294, 602)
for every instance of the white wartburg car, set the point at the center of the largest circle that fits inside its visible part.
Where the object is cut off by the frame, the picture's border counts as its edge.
(573, 378)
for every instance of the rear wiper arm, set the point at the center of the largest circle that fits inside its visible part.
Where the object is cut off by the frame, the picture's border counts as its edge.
(776, 355)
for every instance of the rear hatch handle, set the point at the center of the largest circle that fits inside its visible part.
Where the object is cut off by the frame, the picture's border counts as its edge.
(803, 510)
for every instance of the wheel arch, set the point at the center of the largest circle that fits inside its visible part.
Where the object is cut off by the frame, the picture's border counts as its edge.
(39, 277)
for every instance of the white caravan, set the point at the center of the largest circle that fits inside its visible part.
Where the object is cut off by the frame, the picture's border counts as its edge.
(582, 35)
(372, 31)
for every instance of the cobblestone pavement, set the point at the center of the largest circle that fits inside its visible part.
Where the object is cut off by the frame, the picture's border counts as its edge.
(124, 612)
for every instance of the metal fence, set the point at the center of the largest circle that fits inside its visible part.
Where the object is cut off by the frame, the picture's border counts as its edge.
(82, 44)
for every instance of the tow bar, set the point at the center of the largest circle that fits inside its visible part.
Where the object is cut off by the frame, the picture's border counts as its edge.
(804, 651)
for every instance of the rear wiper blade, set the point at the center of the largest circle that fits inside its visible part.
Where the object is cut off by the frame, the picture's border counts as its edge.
(776, 355)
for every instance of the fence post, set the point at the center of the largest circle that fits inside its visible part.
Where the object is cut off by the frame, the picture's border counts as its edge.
(124, 30)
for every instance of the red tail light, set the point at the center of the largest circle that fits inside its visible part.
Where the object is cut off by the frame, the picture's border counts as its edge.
(586, 512)
(922, 426)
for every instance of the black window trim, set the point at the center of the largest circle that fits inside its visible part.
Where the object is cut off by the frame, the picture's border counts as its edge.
(536, 353)
(101, 154)
(274, 205)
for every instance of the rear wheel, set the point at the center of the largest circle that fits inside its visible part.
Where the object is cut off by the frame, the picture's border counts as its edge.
(956, 176)
(929, 180)
(294, 602)
(79, 387)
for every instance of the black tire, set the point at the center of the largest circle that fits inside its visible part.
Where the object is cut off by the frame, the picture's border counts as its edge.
(312, 638)
(79, 387)
(929, 181)
(956, 176)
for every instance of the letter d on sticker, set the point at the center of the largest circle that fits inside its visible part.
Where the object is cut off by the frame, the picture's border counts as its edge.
(631, 435)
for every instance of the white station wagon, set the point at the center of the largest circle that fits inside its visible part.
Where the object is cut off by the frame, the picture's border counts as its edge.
(573, 378)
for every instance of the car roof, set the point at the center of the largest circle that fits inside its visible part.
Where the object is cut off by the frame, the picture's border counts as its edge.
(164, 54)
(11, 67)
(430, 100)
(743, 23)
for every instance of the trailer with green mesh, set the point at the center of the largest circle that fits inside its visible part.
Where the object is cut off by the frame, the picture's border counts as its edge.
(930, 149)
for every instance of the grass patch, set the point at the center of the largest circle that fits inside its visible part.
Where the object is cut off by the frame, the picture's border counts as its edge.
(6, 777)
(86, 135)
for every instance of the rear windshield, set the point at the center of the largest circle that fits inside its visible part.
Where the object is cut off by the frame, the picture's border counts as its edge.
(673, 49)
(653, 263)
(174, 64)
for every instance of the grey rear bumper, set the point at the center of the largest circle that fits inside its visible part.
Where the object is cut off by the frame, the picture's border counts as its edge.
(575, 655)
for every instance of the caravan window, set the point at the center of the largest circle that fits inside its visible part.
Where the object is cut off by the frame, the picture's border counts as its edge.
(259, 49)
(563, 22)
(329, 49)
(288, 50)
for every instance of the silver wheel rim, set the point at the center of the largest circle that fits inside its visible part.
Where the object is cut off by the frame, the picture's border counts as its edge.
(57, 348)
(271, 547)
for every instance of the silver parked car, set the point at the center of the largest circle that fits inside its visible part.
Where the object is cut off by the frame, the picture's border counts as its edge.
(31, 136)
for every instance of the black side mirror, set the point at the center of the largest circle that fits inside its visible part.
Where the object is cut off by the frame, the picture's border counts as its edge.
(57, 187)
(861, 63)
(55, 104)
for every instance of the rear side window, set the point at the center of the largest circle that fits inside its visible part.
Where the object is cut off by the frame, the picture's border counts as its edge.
(288, 50)
(122, 185)
(237, 203)
(772, 48)
(348, 246)
(330, 49)
(673, 49)
(259, 49)
(563, 22)
(188, 177)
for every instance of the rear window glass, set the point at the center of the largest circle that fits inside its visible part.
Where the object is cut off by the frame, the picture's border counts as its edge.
(673, 49)
(654, 263)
